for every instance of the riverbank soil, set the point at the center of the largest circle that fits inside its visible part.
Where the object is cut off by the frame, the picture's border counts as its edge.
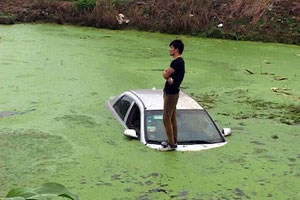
(261, 20)
(55, 81)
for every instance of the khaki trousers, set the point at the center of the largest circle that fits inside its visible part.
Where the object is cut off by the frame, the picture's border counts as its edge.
(169, 117)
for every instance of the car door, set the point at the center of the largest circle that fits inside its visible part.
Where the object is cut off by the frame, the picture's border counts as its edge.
(133, 119)
(122, 107)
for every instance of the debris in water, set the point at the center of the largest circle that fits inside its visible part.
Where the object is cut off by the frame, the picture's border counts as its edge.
(280, 91)
(158, 190)
(275, 137)
(249, 71)
(280, 78)
(267, 62)
(267, 73)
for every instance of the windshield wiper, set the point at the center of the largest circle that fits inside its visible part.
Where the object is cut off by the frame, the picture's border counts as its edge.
(195, 142)
(184, 142)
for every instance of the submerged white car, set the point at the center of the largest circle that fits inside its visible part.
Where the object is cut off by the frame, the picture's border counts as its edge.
(141, 114)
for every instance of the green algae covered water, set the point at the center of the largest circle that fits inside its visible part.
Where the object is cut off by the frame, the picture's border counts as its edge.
(55, 127)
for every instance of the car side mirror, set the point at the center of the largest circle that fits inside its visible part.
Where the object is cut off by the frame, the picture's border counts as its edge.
(130, 133)
(226, 131)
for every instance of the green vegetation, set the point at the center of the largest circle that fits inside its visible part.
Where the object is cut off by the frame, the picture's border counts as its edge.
(6, 18)
(257, 20)
(46, 191)
(88, 5)
(85, 5)
(55, 127)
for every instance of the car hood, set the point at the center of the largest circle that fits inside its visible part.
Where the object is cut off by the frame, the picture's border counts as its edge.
(189, 147)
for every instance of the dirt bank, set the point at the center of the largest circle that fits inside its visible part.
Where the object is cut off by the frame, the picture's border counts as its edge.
(261, 20)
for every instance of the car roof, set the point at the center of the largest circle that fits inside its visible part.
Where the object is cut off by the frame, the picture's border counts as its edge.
(153, 100)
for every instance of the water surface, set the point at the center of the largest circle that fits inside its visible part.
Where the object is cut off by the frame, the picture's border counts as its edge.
(54, 125)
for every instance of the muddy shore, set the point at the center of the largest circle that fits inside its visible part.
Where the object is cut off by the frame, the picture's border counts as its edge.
(269, 21)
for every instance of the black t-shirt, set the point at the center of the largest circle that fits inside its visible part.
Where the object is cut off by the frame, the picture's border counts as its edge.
(177, 76)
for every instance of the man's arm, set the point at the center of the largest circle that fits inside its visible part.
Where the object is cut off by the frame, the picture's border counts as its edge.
(168, 72)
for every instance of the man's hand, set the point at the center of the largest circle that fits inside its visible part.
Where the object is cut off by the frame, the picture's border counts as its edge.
(170, 81)
(167, 72)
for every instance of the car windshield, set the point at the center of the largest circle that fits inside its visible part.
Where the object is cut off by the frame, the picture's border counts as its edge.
(194, 127)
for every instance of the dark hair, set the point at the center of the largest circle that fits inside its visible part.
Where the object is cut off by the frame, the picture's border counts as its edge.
(177, 44)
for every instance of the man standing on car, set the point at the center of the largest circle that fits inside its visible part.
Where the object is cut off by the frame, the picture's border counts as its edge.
(174, 76)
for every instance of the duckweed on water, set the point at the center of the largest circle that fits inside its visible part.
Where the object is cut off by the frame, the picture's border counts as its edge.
(287, 114)
(55, 127)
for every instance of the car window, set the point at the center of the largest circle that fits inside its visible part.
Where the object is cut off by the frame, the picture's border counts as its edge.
(193, 127)
(134, 119)
(122, 106)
